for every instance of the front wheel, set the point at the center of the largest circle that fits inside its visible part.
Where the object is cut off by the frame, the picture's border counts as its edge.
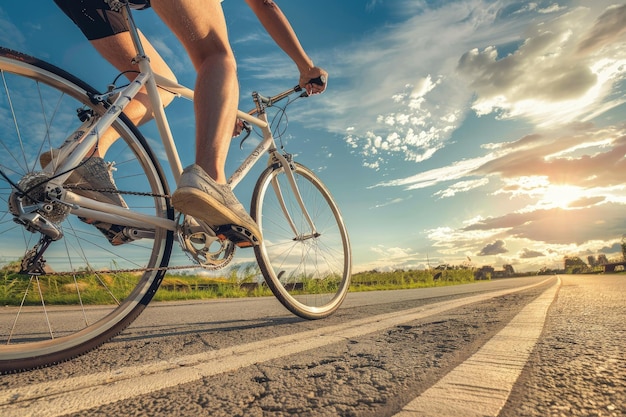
(305, 259)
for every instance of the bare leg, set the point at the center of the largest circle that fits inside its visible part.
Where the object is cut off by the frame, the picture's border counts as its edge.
(201, 28)
(119, 51)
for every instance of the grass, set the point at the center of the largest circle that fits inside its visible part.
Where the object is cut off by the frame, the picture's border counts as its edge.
(100, 289)
(64, 290)
(376, 281)
(199, 288)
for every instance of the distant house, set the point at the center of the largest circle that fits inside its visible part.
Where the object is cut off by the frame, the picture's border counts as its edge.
(488, 272)
(485, 272)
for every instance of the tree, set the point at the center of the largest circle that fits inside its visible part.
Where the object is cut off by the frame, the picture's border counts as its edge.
(575, 265)
(591, 260)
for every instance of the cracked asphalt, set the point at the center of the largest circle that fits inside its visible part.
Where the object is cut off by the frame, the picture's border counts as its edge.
(579, 365)
(577, 368)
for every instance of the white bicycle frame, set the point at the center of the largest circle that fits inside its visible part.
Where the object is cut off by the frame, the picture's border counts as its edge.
(87, 137)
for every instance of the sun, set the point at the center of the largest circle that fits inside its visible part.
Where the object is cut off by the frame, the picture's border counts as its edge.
(546, 195)
(560, 196)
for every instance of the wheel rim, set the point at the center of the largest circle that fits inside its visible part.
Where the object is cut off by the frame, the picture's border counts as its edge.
(311, 273)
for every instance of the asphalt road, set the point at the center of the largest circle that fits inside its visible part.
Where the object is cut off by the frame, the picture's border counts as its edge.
(538, 346)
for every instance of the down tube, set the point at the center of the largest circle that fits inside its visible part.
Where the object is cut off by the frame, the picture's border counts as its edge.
(90, 137)
(246, 166)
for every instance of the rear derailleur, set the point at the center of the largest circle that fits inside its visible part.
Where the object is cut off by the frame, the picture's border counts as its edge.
(39, 210)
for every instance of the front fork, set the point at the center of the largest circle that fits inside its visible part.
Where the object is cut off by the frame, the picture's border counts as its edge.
(286, 161)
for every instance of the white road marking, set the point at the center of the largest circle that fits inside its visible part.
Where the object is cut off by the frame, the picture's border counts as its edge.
(73, 395)
(480, 386)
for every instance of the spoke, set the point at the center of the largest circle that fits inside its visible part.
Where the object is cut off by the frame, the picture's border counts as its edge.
(75, 298)
(47, 123)
(43, 305)
(80, 298)
(15, 124)
(17, 316)
(92, 270)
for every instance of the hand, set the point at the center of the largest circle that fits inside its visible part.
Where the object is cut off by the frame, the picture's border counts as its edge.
(309, 74)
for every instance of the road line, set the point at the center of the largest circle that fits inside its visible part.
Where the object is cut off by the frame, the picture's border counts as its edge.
(73, 395)
(480, 386)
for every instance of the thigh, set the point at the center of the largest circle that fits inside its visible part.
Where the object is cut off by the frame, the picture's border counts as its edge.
(198, 24)
(119, 50)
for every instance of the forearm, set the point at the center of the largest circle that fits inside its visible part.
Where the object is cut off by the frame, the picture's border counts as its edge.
(279, 28)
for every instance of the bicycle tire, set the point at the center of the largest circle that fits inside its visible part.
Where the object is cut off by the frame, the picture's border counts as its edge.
(308, 273)
(73, 307)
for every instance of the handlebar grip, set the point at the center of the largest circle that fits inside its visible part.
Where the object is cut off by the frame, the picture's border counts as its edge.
(321, 80)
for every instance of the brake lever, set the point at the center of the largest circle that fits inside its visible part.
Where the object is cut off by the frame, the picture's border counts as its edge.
(248, 129)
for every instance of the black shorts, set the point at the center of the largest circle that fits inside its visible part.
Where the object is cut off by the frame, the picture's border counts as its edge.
(95, 18)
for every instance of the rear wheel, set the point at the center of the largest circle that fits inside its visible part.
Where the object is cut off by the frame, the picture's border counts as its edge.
(88, 290)
(308, 269)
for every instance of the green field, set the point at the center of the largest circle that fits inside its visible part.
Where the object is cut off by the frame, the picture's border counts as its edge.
(16, 289)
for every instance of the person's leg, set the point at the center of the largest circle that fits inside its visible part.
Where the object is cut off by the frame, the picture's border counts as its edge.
(107, 30)
(201, 28)
(119, 51)
(202, 189)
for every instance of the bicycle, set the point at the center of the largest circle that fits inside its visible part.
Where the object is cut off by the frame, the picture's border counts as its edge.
(67, 290)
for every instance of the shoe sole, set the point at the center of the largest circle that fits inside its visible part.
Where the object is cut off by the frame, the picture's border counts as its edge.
(202, 206)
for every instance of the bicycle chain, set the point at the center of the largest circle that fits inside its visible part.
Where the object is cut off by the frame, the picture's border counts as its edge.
(117, 271)
(115, 191)
(130, 270)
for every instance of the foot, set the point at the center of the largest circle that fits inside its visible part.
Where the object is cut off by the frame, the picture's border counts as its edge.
(199, 196)
(96, 174)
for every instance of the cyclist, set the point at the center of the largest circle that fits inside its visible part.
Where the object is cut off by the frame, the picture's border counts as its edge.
(201, 28)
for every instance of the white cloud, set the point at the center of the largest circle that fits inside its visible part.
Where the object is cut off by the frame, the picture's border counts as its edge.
(393, 258)
(461, 187)
(415, 78)
(390, 202)
(529, 253)
(557, 75)
(565, 189)
(407, 87)
(435, 176)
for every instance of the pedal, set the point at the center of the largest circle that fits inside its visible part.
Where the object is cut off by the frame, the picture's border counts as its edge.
(239, 235)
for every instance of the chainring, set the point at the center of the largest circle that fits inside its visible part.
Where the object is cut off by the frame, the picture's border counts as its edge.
(202, 245)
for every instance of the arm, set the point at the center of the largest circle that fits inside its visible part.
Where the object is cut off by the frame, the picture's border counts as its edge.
(279, 28)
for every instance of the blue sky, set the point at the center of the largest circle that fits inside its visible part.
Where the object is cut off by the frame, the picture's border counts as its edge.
(470, 131)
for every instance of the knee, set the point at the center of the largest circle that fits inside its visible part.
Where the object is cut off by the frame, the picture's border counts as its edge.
(222, 57)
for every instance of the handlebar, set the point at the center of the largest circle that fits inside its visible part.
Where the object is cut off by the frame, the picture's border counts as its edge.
(262, 102)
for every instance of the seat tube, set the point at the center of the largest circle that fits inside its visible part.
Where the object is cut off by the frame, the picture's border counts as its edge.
(155, 98)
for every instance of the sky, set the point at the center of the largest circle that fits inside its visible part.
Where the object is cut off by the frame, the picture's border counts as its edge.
(474, 132)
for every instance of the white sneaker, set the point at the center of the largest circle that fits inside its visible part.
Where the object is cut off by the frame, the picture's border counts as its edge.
(95, 173)
(198, 195)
